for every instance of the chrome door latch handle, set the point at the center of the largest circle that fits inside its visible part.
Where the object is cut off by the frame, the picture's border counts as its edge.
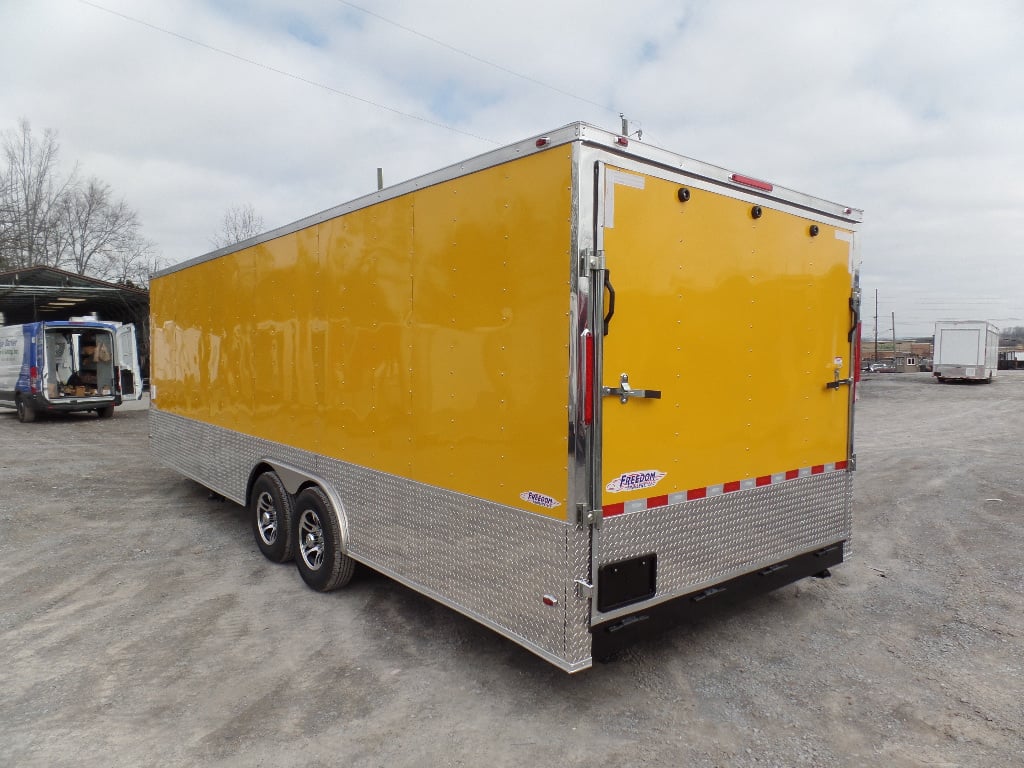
(624, 391)
(838, 382)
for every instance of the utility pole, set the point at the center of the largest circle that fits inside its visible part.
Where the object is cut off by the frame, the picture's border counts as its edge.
(876, 325)
(894, 338)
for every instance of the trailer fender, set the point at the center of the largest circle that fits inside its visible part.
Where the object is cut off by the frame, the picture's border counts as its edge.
(296, 480)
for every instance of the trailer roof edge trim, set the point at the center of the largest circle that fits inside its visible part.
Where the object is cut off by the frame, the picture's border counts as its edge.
(573, 132)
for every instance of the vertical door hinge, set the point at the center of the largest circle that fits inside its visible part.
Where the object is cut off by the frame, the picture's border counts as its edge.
(587, 516)
(591, 261)
(584, 589)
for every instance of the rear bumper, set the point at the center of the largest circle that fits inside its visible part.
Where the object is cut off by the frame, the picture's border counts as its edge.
(43, 404)
(711, 549)
(613, 636)
(961, 372)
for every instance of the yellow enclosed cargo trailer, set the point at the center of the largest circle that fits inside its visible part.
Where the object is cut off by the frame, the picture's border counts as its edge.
(574, 388)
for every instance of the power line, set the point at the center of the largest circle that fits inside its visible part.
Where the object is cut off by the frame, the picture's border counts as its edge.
(460, 51)
(285, 73)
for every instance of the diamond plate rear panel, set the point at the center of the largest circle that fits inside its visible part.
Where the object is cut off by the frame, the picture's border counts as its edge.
(493, 563)
(706, 541)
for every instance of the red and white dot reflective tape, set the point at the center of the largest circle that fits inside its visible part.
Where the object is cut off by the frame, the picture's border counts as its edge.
(610, 510)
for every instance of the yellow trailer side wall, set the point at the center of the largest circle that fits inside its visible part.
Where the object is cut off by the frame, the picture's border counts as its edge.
(425, 336)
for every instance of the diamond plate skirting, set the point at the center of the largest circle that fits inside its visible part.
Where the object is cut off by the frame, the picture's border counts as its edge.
(706, 541)
(493, 563)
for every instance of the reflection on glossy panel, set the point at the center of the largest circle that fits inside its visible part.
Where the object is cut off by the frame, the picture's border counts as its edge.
(425, 336)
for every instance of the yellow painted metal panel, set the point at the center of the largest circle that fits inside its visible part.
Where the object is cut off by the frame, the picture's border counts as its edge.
(424, 336)
(492, 330)
(180, 312)
(232, 343)
(739, 322)
(283, 309)
(366, 293)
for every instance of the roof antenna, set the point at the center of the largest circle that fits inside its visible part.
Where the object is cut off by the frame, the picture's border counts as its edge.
(625, 128)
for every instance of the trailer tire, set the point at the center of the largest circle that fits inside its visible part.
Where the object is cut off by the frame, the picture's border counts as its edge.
(105, 413)
(26, 413)
(318, 543)
(272, 516)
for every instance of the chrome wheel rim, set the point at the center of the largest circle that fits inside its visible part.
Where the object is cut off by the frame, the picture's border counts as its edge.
(311, 539)
(266, 518)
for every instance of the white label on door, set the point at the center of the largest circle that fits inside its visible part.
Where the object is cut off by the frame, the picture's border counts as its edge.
(611, 179)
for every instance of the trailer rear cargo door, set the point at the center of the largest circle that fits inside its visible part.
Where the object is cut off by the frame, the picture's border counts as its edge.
(728, 326)
(961, 346)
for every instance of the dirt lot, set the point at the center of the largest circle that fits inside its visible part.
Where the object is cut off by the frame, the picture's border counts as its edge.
(140, 626)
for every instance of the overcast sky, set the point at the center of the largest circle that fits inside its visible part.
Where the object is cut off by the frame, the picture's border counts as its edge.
(912, 111)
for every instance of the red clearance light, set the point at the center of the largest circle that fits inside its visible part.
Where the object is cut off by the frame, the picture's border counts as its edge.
(622, 141)
(751, 182)
(588, 379)
(543, 141)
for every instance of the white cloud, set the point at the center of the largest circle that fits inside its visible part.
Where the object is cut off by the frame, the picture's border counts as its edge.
(908, 110)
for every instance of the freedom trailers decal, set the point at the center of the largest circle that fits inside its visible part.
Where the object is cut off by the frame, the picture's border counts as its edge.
(635, 481)
(540, 499)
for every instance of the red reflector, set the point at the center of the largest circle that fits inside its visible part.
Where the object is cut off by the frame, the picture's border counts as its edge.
(622, 141)
(33, 372)
(856, 359)
(793, 474)
(818, 469)
(588, 383)
(696, 493)
(550, 600)
(765, 480)
(751, 182)
(610, 510)
(841, 465)
(543, 141)
(657, 501)
(730, 487)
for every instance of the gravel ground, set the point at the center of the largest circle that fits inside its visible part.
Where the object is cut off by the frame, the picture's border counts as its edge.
(140, 626)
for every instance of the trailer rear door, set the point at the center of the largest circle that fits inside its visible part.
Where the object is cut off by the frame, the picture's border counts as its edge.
(961, 346)
(729, 325)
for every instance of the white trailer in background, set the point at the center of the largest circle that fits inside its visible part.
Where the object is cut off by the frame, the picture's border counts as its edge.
(965, 350)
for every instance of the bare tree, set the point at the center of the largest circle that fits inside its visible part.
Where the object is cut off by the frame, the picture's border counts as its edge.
(1013, 334)
(95, 229)
(9, 234)
(134, 264)
(50, 219)
(240, 222)
(31, 192)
